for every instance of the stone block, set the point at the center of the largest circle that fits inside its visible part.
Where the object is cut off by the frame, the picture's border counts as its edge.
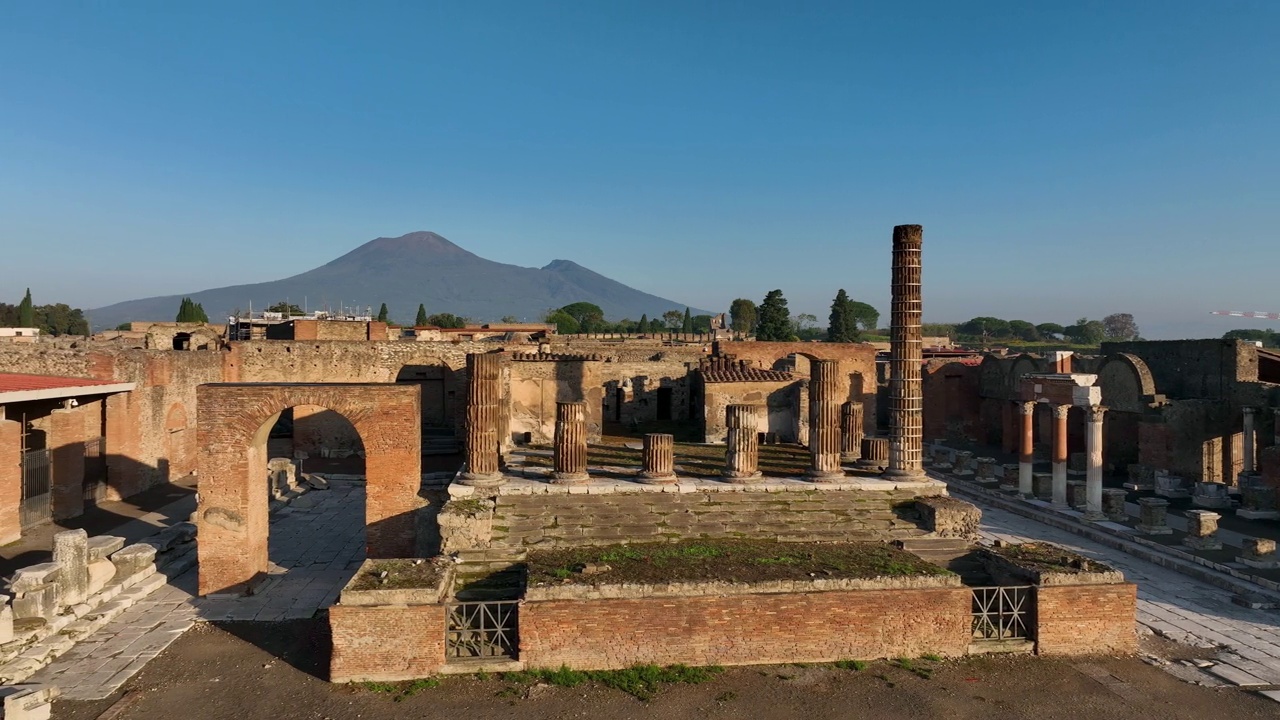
(1171, 486)
(1211, 495)
(1042, 485)
(33, 576)
(1076, 494)
(6, 623)
(1113, 500)
(133, 559)
(964, 463)
(1259, 553)
(71, 554)
(40, 602)
(100, 573)
(1011, 471)
(1076, 463)
(1202, 528)
(315, 482)
(101, 546)
(1153, 516)
(948, 517)
(28, 702)
(987, 468)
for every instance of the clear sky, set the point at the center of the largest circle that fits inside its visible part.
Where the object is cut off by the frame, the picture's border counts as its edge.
(1066, 159)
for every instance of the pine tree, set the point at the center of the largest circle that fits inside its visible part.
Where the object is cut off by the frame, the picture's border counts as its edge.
(843, 326)
(26, 312)
(198, 314)
(774, 319)
(644, 324)
(421, 320)
(184, 310)
(382, 313)
(687, 326)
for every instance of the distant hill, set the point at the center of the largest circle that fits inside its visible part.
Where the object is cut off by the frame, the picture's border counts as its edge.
(420, 267)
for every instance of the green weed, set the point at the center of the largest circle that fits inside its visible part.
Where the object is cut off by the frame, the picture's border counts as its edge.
(855, 665)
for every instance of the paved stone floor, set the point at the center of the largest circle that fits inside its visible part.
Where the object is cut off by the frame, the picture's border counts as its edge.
(316, 544)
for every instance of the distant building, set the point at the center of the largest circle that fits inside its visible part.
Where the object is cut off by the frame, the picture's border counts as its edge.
(19, 334)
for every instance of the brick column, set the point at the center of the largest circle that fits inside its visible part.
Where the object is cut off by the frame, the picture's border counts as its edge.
(1060, 455)
(66, 456)
(906, 407)
(659, 459)
(850, 432)
(1027, 450)
(124, 471)
(742, 459)
(484, 391)
(1250, 440)
(1093, 467)
(824, 420)
(10, 479)
(571, 444)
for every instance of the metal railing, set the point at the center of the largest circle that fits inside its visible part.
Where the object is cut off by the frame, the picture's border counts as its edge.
(36, 507)
(95, 469)
(1003, 613)
(482, 630)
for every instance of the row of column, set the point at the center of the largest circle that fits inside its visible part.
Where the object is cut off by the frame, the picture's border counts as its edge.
(1093, 452)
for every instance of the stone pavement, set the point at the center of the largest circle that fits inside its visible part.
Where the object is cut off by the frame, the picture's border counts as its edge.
(317, 543)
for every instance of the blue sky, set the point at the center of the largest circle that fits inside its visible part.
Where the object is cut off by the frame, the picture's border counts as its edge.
(1066, 159)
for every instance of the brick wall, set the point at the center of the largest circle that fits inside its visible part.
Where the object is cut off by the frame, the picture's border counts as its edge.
(386, 642)
(952, 403)
(66, 452)
(10, 480)
(745, 629)
(1086, 619)
(780, 408)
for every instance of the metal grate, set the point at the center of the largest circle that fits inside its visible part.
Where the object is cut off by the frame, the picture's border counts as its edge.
(35, 507)
(482, 630)
(1002, 613)
(95, 469)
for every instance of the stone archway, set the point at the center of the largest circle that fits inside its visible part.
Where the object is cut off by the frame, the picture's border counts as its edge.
(234, 420)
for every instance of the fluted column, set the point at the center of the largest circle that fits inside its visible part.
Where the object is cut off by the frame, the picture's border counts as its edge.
(906, 407)
(824, 420)
(1027, 450)
(742, 459)
(484, 391)
(659, 459)
(1093, 468)
(1060, 454)
(850, 432)
(571, 443)
(875, 454)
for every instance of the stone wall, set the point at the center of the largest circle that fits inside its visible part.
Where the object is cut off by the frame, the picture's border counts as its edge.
(1204, 369)
(534, 388)
(783, 408)
(745, 629)
(1086, 619)
(386, 642)
(952, 401)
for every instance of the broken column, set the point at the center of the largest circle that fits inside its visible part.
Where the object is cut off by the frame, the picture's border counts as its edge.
(484, 398)
(1153, 516)
(71, 555)
(1202, 530)
(824, 420)
(742, 458)
(875, 454)
(906, 407)
(850, 432)
(1027, 450)
(1093, 462)
(659, 459)
(1060, 455)
(1113, 500)
(571, 444)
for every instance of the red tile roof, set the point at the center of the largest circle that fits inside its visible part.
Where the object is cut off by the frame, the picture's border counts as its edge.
(745, 375)
(16, 382)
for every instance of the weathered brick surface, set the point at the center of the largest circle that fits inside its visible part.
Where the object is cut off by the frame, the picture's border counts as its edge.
(1086, 619)
(66, 444)
(568, 520)
(386, 642)
(10, 480)
(234, 423)
(745, 629)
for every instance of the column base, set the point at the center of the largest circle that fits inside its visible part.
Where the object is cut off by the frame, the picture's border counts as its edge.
(486, 480)
(905, 475)
(820, 476)
(653, 479)
(850, 458)
(742, 479)
(560, 478)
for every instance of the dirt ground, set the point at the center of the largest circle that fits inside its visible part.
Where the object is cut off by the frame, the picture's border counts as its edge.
(259, 671)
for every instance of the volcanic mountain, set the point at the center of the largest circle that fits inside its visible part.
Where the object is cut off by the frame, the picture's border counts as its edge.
(421, 267)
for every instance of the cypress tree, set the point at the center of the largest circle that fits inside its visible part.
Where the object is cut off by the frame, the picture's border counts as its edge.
(421, 320)
(644, 324)
(382, 313)
(773, 318)
(26, 312)
(687, 325)
(843, 326)
(198, 314)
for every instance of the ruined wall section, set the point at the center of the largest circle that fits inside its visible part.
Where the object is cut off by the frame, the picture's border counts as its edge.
(953, 404)
(783, 408)
(537, 385)
(1194, 369)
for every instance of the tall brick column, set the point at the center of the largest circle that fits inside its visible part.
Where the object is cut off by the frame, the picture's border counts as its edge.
(1093, 467)
(659, 459)
(484, 392)
(1060, 454)
(906, 405)
(10, 479)
(850, 432)
(571, 444)
(824, 420)
(742, 459)
(1027, 449)
(66, 456)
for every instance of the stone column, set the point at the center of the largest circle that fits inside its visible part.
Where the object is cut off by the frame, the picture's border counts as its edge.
(906, 407)
(571, 444)
(850, 432)
(875, 454)
(659, 459)
(742, 459)
(1027, 449)
(484, 393)
(1250, 442)
(824, 421)
(1093, 465)
(1060, 455)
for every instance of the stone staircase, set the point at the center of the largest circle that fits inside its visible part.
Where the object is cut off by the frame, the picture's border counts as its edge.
(492, 574)
(954, 554)
(440, 443)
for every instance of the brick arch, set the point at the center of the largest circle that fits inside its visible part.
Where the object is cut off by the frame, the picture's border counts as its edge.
(234, 421)
(1023, 365)
(1126, 382)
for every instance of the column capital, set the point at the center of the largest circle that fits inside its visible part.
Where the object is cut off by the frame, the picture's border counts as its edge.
(1249, 410)
(1027, 408)
(1060, 412)
(1094, 413)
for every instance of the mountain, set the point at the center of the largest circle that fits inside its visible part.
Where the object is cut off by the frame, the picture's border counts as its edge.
(420, 267)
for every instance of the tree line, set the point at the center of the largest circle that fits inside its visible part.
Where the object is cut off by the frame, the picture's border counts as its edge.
(1268, 338)
(771, 320)
(56, 319)
(1116, 327)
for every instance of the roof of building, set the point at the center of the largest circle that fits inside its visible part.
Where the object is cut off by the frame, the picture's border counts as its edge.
(19, 387)
(717, 375)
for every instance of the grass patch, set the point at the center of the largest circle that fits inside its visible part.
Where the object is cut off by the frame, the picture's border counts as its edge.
(640, 681)
(911, 667)
(401, 690)
(855, 665)
(931, 657)
(399, 574)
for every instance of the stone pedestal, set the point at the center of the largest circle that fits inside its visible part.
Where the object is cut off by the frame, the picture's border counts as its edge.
(1141, 477)
(1171, 486)
(71, 554)
(987, 469)
(742, 458)
(484, 397)
(943, 457)
(1113, 500)
(875, 454)
(1153, 516)
(1259, 553)
(851, 421)
(1258, 501)
(964, 464)
(1076, 494)
(1211, 495)
(1202, 530)
(906, 399)
(1009, 478)
(571, 444)
(1042, 486)
(825, 440)
(659, 459)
